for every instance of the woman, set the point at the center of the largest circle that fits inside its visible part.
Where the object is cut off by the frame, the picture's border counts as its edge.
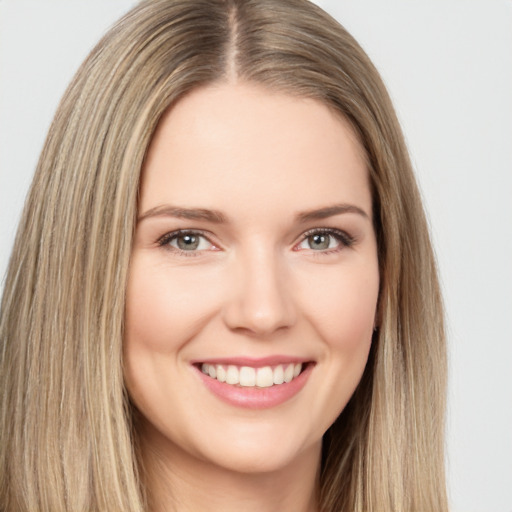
(222, 292)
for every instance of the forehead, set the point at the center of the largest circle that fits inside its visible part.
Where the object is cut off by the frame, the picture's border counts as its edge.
(234, 143)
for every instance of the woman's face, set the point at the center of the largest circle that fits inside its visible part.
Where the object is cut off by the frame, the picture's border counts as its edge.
(254, 279)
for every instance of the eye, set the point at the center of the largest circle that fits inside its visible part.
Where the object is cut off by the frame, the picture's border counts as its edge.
(325, 240)
(186, 241)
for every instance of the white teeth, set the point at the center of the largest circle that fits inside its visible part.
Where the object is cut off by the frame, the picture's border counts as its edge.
(288, 373)
(221, 374)
(279, 374)
(246, 376)
(264, 377)
(232, 375)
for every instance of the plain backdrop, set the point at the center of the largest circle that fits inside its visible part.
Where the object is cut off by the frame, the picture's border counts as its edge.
(448, 66)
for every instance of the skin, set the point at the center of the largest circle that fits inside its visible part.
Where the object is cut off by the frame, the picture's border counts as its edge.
(257, 285)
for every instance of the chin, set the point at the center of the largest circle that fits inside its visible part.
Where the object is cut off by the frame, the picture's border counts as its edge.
(260, 451)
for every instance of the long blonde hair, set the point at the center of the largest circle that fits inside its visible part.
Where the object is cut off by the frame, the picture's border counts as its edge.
(67, 431)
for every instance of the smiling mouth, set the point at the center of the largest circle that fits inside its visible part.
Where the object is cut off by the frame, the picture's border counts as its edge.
(249, 377)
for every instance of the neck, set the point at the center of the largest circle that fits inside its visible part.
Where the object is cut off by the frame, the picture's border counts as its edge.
(178, 482)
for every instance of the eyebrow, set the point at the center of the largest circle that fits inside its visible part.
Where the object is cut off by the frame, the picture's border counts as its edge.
(185, 213)
(330, 211)
(217, 217)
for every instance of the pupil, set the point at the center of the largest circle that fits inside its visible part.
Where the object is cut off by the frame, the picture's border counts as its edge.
(319, 241)
(188, 242)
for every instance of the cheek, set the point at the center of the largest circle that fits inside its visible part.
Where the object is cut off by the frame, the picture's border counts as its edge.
(164, 310)
(343, 311)
(164, 307)
(343, 316)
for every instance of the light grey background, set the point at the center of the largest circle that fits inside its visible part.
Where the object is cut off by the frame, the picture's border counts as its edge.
(448, 66)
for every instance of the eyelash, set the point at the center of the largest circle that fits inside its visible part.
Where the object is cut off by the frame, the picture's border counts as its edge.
(344, 239)
(166, 240)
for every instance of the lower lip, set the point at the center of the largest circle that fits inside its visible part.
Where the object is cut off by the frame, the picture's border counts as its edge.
(254, 397)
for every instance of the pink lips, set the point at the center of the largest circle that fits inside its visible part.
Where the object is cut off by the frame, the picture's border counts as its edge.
(255, 397)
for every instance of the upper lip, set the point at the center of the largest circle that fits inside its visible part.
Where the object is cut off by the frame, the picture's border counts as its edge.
(254, 362)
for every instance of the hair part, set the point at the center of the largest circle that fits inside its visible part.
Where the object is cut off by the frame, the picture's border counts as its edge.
(68, 440)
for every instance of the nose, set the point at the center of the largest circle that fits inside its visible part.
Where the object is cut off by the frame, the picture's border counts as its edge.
(260, 301)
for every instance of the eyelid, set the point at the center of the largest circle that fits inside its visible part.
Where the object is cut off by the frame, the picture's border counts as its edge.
(343, 238)
(164, 241)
